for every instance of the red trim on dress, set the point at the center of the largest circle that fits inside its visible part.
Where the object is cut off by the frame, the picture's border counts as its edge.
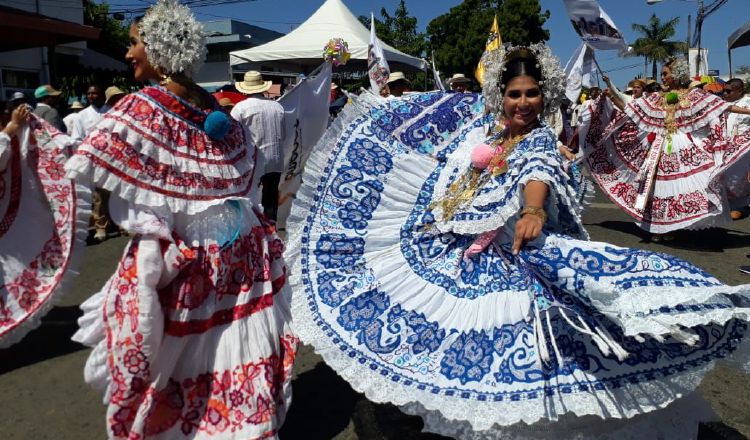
(15, 187)
(126, 177)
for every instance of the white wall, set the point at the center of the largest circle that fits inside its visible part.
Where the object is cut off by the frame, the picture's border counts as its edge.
(36, 59)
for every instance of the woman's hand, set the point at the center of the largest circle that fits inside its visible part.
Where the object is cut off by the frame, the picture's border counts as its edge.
(17, 119)
(528, 228)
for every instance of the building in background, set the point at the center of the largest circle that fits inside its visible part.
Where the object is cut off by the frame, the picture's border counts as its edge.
(41, 40)
(225, 36)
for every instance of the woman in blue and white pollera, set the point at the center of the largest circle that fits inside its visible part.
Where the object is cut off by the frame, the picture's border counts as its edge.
(446, 270)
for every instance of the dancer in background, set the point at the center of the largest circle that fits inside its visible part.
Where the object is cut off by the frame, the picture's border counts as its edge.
(447, 271)
(665, 169)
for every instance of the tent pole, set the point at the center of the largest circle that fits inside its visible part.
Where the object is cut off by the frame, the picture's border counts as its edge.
(729, 52)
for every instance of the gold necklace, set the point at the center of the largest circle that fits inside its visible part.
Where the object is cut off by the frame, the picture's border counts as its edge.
(671, 104)
(465, 188)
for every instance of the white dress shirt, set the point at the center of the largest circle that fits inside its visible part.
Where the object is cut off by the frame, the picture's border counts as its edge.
(69, 122)
(265, 121)
(87, 119)
(737, 123)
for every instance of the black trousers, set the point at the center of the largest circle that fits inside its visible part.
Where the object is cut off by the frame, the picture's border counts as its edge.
(270, 194)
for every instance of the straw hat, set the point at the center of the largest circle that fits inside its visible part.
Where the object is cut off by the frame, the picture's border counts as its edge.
(459, 78)
(397, 76)
(111, 92)
(253, 83)
(226, 102)
(695, 83)
(76, 105)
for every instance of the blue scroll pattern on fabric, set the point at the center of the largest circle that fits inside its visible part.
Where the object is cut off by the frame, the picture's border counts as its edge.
(407, 347)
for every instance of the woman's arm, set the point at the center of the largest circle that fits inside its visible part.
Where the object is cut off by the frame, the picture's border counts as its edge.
(614, 94)
(739, 110)
(17, 119)
(529, 226)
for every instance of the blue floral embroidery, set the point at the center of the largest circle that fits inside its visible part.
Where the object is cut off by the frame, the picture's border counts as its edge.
(335, 251)
(468, 358)
(372, 331)
(369, 157)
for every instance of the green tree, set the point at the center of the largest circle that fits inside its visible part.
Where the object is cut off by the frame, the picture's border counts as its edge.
(399, 30)
(113, 38)
(655, 45)
(73, 79)
(457, 38)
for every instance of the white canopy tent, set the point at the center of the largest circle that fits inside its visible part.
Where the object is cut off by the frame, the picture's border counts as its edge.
(303, 47)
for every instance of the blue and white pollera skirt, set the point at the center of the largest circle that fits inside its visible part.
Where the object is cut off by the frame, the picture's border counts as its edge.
(568, 330)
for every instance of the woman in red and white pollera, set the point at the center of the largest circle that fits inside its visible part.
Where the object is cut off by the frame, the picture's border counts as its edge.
(661, 158)
(190, 335)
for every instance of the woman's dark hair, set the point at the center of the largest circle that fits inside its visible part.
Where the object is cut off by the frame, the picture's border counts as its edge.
(521, 66)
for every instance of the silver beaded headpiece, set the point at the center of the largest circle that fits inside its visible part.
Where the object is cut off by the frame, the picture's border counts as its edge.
(175, 40)
(552, 83)
(680, 69)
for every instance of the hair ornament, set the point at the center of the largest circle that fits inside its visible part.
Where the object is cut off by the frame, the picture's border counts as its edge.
(175, 40)
(680, 69)
(552, 82)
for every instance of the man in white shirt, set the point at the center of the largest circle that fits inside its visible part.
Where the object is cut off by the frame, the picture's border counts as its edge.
(264, 120)
(91, 115)
(71, 118)
(737, 176)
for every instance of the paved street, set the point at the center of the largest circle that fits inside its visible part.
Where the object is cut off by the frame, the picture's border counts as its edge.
(43, 395)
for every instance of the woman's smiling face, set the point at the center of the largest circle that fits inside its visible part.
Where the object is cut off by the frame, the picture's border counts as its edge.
(136, 56)
(522, 102)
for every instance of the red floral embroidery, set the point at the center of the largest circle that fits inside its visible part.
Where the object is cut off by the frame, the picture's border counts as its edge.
(213, 402)
(32, 288)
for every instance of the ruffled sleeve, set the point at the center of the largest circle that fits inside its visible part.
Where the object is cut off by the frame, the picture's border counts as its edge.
(499, 201)
(699, 109)
(151, 149)
(4, 150)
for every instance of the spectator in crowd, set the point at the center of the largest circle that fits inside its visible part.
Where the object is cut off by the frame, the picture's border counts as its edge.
(459, 83)
(398, 84)
(738, 175)
(47, 99)
(264, 119)
(226, 104)
(337, 100)
(17, 99)
(91, 115)
(72, 117)
(112, 95)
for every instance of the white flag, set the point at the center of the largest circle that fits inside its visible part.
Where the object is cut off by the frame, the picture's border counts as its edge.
(305, 121)
(436, 74)
(594, 25)
(377, 66)
(580, 71)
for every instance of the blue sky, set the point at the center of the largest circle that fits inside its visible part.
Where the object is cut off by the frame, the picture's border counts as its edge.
(281, 15)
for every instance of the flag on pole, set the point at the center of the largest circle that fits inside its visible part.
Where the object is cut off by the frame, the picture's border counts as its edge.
(594, 26)
(377, 66)
(436, 75)
(494, 41)
(305, 121)
(580, 71)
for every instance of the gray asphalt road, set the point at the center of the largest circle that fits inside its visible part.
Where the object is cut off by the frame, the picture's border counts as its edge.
(43, 396)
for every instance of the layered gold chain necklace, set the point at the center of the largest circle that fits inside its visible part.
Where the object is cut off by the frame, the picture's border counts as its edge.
(673, 101)
(465, 188)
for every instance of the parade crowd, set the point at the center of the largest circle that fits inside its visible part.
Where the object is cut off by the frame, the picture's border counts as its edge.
(435, 254)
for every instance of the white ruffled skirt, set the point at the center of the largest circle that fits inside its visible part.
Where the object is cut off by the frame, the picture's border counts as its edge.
(191, 336)
(496, 346)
